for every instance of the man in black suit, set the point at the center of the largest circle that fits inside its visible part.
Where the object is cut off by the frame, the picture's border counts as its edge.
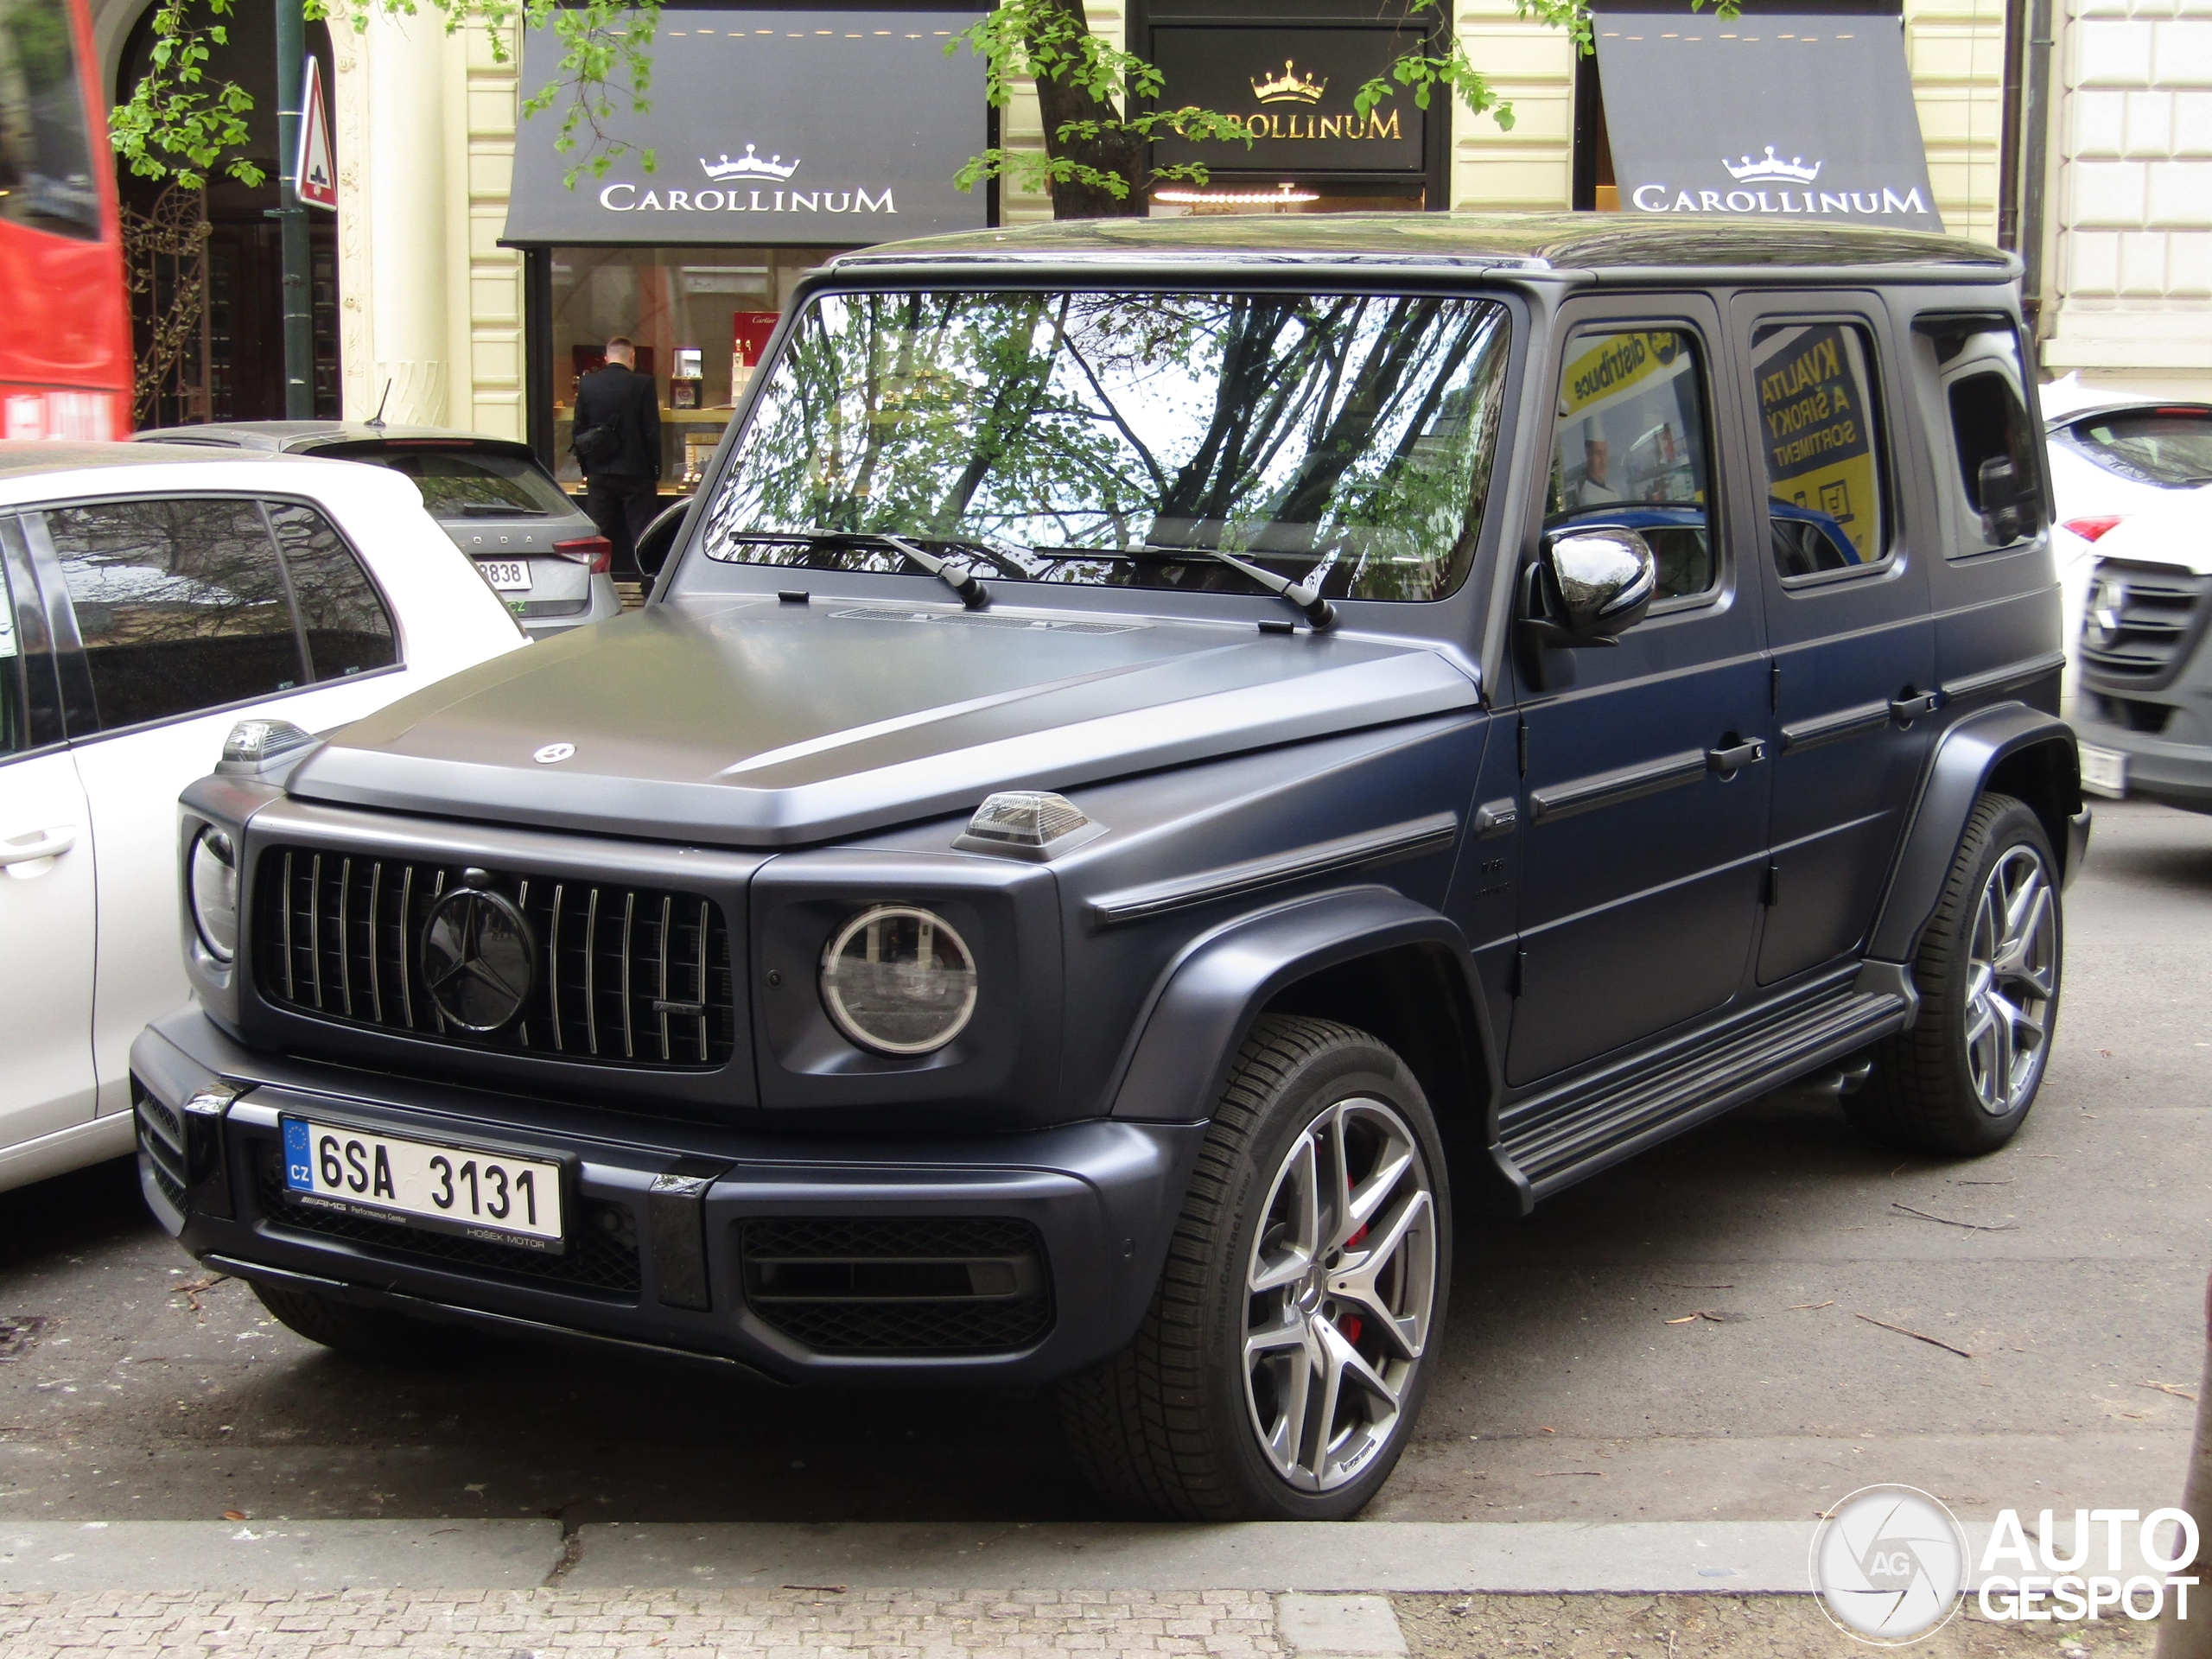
(617, 442)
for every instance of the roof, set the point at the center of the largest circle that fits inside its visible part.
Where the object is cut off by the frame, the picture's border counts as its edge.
(1529, 242)
(294, 435)
(22, 457)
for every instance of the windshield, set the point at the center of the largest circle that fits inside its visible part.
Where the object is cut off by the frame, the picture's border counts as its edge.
(459, 481)
(1340, 440)
(2172, 447)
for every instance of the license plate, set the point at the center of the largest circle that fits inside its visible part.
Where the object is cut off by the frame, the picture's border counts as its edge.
(2104, 772)
(493, 1197)
(506, 576)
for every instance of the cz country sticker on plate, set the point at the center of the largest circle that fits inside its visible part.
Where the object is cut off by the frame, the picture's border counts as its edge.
(487, 1196)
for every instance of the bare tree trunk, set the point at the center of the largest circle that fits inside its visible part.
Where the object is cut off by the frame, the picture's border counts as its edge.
(2192, 1639)
(1060, 100)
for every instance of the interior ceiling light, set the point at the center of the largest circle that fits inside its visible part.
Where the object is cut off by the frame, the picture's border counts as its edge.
(1282, 193)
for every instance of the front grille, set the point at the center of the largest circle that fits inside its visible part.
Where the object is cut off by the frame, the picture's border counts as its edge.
(907, 1284)
(635, 976)
(601, 1257)
(2156, 618)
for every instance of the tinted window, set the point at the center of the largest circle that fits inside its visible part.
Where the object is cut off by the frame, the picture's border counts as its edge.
(347, 629)
(1818, 437)
(1630, 448)
(1999, 475)
(181, 604)
(1343, 440)
(464, 482)
(45, 171)
(2171, 446)
(14, 716)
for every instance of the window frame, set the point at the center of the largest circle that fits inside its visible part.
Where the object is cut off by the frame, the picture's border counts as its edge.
(1883, 452)
(79, 712)
(1708, 385)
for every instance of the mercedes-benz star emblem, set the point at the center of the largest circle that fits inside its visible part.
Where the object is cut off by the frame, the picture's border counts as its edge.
(554, 754)
(479, 958)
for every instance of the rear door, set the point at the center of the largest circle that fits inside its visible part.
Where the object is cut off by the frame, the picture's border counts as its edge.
(1845, 579)
(47, 898)
(1645, 787)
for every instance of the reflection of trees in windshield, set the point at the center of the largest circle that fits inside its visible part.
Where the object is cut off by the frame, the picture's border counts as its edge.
(1084, 437)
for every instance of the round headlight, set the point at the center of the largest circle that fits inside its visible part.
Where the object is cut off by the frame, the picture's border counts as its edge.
(899, 980)
(211, 882)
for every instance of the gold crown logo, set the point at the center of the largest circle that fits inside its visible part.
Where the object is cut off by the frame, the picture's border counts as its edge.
(1290, 86)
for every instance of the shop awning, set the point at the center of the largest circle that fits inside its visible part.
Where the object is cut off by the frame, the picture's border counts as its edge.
(1767, 113)
(770, 129)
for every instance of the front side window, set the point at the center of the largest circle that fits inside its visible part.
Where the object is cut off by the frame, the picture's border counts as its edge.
(1630, 448)
(1818, 438)
(342, 622)
(46, 155)
(1113, 439)
(179, 604)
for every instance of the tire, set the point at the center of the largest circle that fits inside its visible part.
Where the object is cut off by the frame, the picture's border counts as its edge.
(373, 1334)
(1964, 1078)
(1171, 1426)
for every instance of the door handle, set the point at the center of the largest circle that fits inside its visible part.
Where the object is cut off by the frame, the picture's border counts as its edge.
(1906, 709)
(1725, 761)
(40, 843)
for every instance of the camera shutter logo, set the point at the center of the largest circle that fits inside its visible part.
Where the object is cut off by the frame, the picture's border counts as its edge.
(1890, 1564)
(479, 959)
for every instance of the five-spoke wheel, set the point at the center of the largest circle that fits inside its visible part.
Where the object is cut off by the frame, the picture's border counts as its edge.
(1278, 1371)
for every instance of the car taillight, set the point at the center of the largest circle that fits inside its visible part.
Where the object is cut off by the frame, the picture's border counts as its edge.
(594, 552)
(2089, 529)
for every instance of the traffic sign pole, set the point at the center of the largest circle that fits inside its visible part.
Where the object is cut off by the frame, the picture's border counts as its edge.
(291, 216)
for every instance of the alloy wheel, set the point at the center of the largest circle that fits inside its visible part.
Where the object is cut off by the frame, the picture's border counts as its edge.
(1339, 1295)
(2013, 978)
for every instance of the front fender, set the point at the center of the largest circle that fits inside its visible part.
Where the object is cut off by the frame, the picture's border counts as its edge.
(2007, 744)
(1189, 1035)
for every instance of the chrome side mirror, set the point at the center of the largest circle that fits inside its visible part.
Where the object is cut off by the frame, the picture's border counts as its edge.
(1590, 584)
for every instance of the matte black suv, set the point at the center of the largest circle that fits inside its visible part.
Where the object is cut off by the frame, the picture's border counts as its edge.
(1167, 753)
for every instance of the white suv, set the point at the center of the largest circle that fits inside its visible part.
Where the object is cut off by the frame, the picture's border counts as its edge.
(151, 597)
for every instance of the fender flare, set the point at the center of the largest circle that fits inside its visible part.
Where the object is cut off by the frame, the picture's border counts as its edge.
(1188, 1036)
(1967, 755)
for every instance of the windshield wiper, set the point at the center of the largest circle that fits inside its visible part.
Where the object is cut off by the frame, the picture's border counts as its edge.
(972, 591)
(498, 510)
(1316, 610)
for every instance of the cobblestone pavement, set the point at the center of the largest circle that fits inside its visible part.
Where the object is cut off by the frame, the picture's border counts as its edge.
(818, 1624)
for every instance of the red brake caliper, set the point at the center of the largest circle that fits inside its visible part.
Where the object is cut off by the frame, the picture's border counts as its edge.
(1351, 1324)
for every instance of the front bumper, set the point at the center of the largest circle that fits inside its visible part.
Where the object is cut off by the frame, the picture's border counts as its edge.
(2159, 768)
(666, 1252)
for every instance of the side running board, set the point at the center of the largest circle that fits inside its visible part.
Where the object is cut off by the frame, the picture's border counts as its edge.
(1557, 1139)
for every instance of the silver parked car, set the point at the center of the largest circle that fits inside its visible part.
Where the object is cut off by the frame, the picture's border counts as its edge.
(529, 538)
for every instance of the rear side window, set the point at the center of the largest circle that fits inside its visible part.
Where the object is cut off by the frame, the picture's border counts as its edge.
(2168, 447)
(181, 604)
(342, 622)
(463, 482)
(14, 715)
(1998, 490)
(1819, 439)
(1630, 448)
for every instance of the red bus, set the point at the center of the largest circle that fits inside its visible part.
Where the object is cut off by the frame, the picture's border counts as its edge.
(66, 360)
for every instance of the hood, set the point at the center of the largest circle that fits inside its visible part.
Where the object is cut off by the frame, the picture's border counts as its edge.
(752, 722)
(2171, 533)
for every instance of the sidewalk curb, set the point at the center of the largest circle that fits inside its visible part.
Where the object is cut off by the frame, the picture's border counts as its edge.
(151, 1556)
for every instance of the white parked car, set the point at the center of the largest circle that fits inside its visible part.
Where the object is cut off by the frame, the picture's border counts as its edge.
(2111, 460)
(150, 598)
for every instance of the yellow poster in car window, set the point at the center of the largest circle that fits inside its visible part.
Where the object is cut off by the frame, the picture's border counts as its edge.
(1814, 419)
(1616, 367)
